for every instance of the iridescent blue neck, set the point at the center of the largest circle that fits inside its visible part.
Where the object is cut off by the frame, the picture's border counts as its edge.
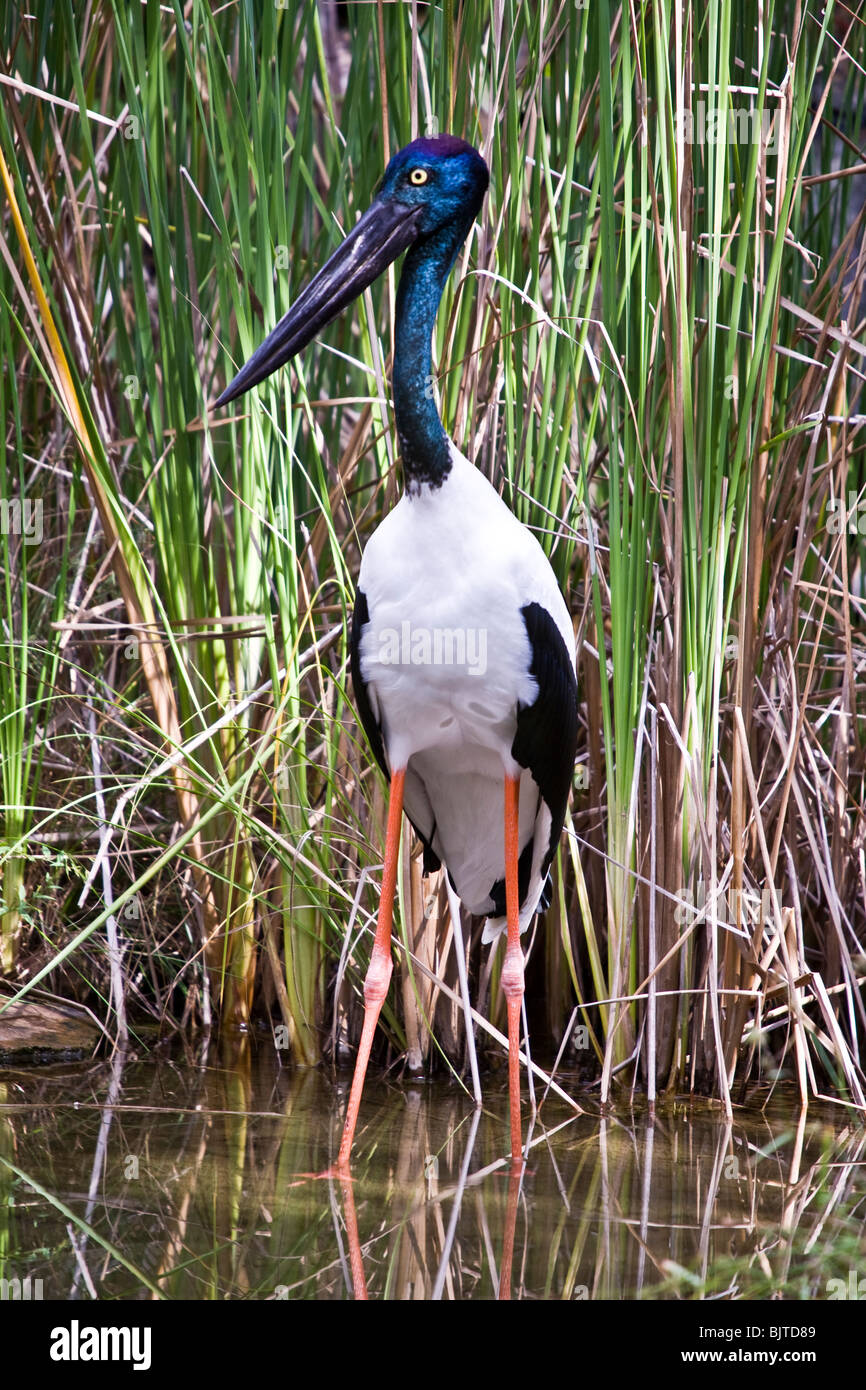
(424, 445)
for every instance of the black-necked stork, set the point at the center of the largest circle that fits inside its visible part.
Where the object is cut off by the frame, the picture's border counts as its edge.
(462, 647)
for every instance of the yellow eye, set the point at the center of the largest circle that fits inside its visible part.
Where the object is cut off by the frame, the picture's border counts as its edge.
(418, 176)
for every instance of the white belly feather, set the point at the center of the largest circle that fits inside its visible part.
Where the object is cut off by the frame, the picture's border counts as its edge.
(446, 657)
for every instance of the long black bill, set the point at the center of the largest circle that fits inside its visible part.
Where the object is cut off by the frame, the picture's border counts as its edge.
(375, 241)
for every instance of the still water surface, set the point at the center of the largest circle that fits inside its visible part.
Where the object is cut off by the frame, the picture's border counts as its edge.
(187, 1179)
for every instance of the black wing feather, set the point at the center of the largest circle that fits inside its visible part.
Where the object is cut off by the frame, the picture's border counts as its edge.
(545, 743)
(546, 738)
(370, 724)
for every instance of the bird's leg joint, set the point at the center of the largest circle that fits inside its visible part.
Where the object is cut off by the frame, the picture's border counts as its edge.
(378, 978)
(512, 973)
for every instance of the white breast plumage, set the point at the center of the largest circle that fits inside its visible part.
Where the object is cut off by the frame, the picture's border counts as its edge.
(446, 659)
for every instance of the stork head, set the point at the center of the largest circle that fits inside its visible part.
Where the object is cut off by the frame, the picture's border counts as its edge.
(441, 177)
(431, 190)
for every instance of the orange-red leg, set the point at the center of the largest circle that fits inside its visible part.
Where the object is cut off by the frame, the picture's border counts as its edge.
(512, 970)
(378, 974)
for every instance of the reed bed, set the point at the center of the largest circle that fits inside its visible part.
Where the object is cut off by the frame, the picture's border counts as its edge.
(654, 345)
